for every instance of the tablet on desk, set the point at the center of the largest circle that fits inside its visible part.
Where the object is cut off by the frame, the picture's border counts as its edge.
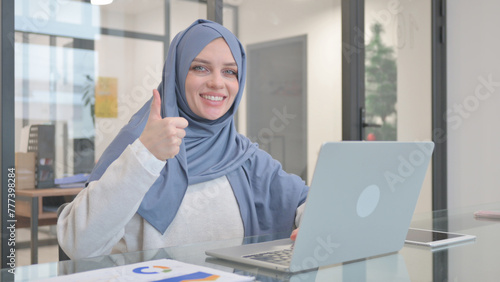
(435, 239)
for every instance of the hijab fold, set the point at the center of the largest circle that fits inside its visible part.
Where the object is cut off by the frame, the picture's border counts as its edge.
(209, 150)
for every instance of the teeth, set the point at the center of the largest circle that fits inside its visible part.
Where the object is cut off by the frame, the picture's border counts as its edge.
(212, 98)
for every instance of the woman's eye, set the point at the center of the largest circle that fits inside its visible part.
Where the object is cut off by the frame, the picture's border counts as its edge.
(231, 72)
(199, 68)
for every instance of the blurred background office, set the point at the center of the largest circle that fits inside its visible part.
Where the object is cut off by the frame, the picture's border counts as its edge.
(84, 69)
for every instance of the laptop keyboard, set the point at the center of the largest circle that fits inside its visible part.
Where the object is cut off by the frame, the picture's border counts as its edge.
(282, 257)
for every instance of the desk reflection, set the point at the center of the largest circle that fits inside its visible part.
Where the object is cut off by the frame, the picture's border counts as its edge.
(390, 267)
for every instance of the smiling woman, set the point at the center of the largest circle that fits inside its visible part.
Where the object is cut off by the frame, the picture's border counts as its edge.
(179, 172)
(212, 81)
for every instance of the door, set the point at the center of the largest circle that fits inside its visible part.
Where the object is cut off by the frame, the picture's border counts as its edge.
(398, 72)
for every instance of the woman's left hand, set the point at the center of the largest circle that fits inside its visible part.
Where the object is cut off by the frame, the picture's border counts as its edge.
(294, 234)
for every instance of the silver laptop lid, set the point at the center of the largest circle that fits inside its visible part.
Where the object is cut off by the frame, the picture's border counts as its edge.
(364, 195)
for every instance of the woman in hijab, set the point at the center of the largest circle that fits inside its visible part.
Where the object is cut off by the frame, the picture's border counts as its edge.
(179, 172)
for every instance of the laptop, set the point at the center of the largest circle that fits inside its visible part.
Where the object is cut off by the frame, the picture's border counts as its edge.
(360, 205)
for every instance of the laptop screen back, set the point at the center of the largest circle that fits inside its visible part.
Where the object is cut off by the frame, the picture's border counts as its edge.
(361, 201)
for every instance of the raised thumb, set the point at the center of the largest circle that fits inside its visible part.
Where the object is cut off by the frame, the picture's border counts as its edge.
(156, 105)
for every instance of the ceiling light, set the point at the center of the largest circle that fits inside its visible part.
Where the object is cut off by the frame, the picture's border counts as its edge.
(101, 2)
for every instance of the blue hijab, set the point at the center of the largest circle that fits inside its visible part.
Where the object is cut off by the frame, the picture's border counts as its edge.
(210, 149)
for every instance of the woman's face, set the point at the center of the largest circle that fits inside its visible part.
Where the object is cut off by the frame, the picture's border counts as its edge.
(212, 81)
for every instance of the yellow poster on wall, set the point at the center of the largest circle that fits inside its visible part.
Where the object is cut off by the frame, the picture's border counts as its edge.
(106, 97)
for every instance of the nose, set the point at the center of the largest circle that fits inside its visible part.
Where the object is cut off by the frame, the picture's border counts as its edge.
(215, 81)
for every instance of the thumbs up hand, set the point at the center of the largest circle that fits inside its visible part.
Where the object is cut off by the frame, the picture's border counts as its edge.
(162, 136)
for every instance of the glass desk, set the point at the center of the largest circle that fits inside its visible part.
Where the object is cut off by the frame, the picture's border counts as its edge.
(475, 261)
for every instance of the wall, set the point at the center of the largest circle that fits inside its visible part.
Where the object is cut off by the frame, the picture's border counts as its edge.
(473, 84)
(473, 102)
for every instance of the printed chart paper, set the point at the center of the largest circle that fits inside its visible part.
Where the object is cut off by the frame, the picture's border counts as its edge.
(165, 270)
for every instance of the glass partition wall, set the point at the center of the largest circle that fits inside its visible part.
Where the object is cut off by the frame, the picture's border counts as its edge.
(84, 69)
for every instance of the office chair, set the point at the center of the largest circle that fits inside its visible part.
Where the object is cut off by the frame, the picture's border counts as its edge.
(62, 254)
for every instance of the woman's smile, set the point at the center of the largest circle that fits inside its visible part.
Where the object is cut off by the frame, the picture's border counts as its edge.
(213, 98)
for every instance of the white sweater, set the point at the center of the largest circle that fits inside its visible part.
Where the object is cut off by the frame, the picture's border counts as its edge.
(102, 219)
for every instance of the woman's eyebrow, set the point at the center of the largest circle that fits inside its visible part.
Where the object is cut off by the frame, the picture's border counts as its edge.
(201, 61)
(198, 60)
